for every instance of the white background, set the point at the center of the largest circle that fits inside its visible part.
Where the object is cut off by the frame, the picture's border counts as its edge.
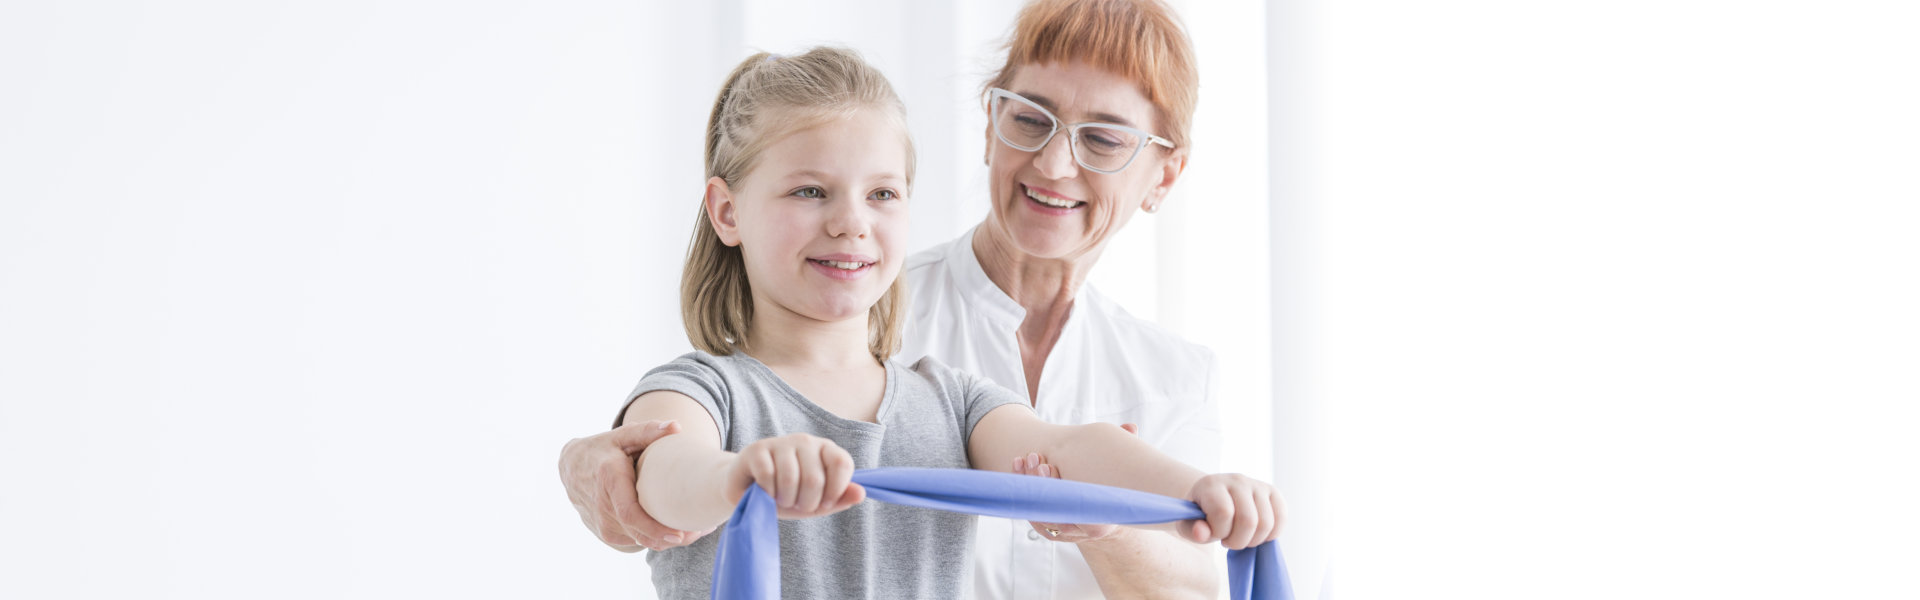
(1519, 299)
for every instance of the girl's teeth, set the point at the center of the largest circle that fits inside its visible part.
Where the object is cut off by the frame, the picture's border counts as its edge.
(1050, 201)
(843, 265)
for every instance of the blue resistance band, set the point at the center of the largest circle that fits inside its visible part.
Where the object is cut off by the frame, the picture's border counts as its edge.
(747, 566)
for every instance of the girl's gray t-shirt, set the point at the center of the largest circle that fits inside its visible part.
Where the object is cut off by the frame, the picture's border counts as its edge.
(873, 550)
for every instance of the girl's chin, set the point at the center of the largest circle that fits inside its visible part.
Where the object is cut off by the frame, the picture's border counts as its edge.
(840, 309)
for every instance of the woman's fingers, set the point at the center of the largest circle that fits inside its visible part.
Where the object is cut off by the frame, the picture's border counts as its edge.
(608, 527)
(634, 520)
(598, 472)
(635, 437)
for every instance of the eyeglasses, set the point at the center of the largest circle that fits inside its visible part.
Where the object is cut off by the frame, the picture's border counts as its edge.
(1100, 147)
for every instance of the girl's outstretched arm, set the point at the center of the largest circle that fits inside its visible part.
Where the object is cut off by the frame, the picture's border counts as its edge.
(689, 483)
(1241, 511)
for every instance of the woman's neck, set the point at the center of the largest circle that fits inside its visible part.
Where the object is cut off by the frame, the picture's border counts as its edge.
(1045, 287)
(782, 337)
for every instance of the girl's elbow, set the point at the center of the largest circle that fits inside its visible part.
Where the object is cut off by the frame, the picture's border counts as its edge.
(1097, 432)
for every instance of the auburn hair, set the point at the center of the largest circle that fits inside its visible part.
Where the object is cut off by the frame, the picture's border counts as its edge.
(1140, 40)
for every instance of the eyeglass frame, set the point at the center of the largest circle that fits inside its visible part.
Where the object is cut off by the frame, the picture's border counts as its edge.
(996, 95)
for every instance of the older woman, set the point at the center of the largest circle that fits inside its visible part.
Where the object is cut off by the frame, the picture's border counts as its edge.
(1088, 122)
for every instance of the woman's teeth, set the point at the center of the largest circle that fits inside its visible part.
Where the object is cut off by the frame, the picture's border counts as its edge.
(1049, 200)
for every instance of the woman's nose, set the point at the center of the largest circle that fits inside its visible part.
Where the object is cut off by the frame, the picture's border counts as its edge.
(1055, 160)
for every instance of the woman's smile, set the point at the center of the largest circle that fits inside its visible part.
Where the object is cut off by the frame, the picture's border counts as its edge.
(1047, 202)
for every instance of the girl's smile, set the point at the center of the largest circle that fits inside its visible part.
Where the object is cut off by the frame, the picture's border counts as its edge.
(845, 267)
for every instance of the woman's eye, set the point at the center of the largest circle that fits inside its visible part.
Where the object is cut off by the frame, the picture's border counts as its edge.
(1104, 142)
(810, 192)
(885, 195)
(1034, 121)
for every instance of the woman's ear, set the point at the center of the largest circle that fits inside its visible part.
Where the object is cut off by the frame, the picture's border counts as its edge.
(987, 157)
(720, 211)
(1169, 173)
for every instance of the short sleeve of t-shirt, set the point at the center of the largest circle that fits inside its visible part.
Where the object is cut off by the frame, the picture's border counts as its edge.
(697, 375)
(976, 395)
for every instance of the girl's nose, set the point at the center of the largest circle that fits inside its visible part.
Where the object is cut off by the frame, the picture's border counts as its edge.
(848, 218)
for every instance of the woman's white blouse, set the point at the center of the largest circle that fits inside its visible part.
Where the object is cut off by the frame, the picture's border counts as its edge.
(1107, 366)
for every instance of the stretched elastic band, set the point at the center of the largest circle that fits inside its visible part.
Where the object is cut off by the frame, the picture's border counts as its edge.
(747, 566)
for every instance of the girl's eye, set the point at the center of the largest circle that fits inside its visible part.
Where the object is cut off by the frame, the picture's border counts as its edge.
(885, 195)
(809, 192)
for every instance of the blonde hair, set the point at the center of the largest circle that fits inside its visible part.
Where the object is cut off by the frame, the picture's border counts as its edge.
(1140, 40)
(765, 98)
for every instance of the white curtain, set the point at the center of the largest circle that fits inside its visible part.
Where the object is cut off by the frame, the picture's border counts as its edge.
(301, 299)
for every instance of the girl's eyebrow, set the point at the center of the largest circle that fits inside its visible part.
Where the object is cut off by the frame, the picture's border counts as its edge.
(816, 174)
(806, 174)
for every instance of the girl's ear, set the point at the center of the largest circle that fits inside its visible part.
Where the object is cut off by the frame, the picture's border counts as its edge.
(720, 211)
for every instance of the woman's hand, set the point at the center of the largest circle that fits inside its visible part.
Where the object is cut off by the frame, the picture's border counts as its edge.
(1036, 464)
(599, 476)
(1241, 511)
(807, 476)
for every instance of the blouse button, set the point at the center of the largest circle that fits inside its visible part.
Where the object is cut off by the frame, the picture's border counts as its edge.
(1033, 535)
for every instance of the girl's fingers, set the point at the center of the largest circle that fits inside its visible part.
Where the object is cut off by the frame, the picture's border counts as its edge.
(854, 495)
(1199, 532)
(760, 467)
(1279, 513)
(1246, 518)
(839, 475)
(1263, 502)
(1219, 508)
(786, 476)
(812, 479)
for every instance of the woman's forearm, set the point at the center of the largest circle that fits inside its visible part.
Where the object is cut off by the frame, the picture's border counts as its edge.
(1149, 562)
(686, 485)
(1136, 563)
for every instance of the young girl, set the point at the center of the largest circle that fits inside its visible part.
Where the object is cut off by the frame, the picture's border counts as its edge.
(792, 296)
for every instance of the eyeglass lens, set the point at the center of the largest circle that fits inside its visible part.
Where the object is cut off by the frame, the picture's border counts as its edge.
(1026, 126)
